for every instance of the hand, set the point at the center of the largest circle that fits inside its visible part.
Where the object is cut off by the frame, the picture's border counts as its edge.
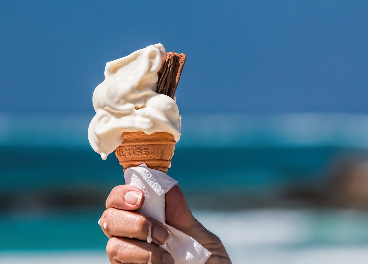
(128, 230)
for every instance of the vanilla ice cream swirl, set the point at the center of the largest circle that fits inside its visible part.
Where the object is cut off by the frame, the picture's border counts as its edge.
(126, 101)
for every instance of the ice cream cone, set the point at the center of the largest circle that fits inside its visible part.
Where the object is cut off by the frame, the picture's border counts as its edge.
(156, 150)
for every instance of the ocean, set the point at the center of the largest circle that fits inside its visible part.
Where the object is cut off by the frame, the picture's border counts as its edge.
(262, 183)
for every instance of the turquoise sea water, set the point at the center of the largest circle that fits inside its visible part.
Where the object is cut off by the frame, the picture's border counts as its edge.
(265, 176)
(62, 191)
(252, 167)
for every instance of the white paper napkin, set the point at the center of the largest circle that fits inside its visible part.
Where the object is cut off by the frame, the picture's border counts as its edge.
(154, 184)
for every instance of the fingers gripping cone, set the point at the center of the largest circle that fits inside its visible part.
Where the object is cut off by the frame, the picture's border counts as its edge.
(156, 150)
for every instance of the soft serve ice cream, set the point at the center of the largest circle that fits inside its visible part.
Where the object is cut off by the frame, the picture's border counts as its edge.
(126, 101)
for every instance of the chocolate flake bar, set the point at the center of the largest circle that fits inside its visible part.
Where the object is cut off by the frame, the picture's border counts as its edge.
(169, 74)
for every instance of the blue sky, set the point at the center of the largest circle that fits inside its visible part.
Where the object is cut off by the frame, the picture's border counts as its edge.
(243, 56)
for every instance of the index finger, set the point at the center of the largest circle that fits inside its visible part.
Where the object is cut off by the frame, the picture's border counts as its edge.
(125, 197)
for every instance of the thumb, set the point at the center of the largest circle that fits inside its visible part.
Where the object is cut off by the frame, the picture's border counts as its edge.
(178, 214)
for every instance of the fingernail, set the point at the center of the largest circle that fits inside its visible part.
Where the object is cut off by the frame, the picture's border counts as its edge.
(133, 197)
(105, 225)
(99, 220)
(160, 234)
(167, 259)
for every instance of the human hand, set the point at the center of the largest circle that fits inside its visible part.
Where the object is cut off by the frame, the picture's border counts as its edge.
(128, 230)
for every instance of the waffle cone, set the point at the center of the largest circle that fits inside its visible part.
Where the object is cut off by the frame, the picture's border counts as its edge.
(156, 150)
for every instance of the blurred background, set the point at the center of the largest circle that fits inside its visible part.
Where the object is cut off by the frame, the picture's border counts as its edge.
(273, 156)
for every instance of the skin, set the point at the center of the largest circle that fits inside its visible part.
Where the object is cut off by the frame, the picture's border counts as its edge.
(127, 230)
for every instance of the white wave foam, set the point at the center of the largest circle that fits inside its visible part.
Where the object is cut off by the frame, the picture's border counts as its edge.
(313, 129)
(257, 228)
(341, 255)
(44, 130)
(259, 236)
(235, 130)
